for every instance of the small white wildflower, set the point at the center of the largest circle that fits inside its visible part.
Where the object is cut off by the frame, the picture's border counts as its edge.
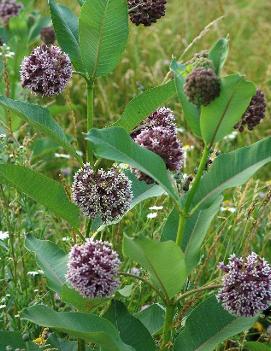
(152, 215)
(156, 208)
(2, 307)
(231, 136)
(4, 235)
(229, 209)
(57, 155)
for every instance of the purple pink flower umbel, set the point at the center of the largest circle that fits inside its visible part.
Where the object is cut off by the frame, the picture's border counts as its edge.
(46, 71)
(93, 269)
(246, 287)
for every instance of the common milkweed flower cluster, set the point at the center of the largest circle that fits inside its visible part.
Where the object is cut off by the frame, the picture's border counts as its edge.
(158, 134)
(93, 268)
(9, 9)
(46, 71)
(246, 285)
(106, 194)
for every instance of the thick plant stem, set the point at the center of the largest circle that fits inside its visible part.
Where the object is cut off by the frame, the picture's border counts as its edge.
(167, 329)
(81, 345)
(90, 115)
(191, 195)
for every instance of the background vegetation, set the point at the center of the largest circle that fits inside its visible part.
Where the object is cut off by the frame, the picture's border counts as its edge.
(244, 221)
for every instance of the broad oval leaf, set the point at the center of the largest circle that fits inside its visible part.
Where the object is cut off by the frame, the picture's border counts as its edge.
(66, 27)
(152, 317)
(257, 346)
(163, 260)
(131, 330)
(41, 120)
(219, 117)
(42, 189)
(208, 325)
(144, 104)
(190, 111)
(195, 230)
(51, 259)
(117, 145)
(103, 32)
(10, 338)
(219, 53)
(230, 170)
(82, 325)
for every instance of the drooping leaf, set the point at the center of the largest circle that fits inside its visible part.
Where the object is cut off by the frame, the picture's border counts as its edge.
(156, 257)
(232, 169)
(131, 330)
(152, 317)
(62, 344)
(257, 346)
(51, 259)
(82, 325)
(66, 28)
(103, 32)
(116, 144)
(41, 120)
(190, 111)
(220, 116)
(195, 230)
(144, 104)
(143, 191)
(219, 53)
(42, 189)
(208, 325)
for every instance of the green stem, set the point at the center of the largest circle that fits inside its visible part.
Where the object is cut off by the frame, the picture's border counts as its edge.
(167, 329)
(90, 115)
(185, 213)
(81, 345)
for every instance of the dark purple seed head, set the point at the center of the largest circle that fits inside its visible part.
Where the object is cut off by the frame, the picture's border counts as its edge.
(202, 86)
(254, 113)
(48, 36)
(146, 12)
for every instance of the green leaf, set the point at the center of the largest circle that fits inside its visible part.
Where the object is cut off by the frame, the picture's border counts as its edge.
(40, 119)
(208, 325)
(86, 326)
(257, 346)
(143, 191)
(66, 28)
(195, 230)
(117, 145)
(220, 116)
(163, 260)
(152, 317)
(131, 330)
(144, 104)
(51, 259)
(83, 304)
(190, 111)
(61, 344)
(230, 170)
(103, 31)
(219, 53)
(9, 338)
(42, 189)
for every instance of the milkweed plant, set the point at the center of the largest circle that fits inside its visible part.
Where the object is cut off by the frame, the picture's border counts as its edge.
(139, 156)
